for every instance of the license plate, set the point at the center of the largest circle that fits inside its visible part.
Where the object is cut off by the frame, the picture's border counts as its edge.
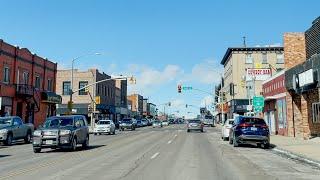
(194, 125)
(254, 129)
(49, 141)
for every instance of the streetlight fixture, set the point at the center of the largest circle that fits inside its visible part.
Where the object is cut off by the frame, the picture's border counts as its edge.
(72, 69)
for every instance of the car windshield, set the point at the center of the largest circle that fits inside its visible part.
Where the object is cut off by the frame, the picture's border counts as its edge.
(253, 121)
(194, 121)
(58, 122)
(208, 117)
(5, 121)
(104, 122)
(128, 121)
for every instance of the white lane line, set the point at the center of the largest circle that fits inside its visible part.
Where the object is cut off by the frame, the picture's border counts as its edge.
(169, 142)
(155, 155)
(175, 135)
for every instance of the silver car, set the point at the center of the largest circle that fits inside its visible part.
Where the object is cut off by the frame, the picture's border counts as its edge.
(195, 125)
(104, 126)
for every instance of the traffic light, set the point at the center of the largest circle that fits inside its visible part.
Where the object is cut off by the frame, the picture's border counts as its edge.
(224, 99)
(89, 109)
(179, 88)
(169, 103)
(186, 105)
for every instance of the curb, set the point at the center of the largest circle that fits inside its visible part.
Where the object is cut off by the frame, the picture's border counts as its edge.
(296, 157)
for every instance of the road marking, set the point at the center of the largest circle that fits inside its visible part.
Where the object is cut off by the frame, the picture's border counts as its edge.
(169, 142)
(175, 135)
(155, 155)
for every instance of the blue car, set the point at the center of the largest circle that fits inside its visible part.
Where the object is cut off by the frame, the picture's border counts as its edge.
(139, 123)
(249, 130)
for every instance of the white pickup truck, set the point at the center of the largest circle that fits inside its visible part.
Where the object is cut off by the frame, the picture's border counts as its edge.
(13, 128)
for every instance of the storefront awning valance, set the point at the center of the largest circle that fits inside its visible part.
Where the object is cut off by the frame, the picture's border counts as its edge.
(51, 97)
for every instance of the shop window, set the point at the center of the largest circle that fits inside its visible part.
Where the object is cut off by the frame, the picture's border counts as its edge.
(6, 75)
(37, 82)
(280, 59)
(49, 85)
(264, 58)
(66, 88)
(316, 112)
(82, 84)
(249, 59)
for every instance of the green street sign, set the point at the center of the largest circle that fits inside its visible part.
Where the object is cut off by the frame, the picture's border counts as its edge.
(187, 88)
(258, 101)
(258, 109)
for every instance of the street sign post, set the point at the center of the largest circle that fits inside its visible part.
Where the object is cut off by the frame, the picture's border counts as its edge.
(187, 88)
(258, 103)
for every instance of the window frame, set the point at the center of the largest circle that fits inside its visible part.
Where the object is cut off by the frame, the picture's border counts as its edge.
(82, 92)
(37, 84)
(264, 58)
(246, 58)
(6, 75)
(277, 55)
(63, 88)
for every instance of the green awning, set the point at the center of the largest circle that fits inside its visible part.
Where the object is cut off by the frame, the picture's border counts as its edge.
(51, 97)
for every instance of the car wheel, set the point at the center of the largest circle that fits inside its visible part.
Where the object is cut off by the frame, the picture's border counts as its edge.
(230, 140)
(9, 140)
(225, 138)
(27, 139)
(201, 130)
(85, 145)
(74, 144)
(235, 143)
(95, 134)
(114, 132)
(266, 145)
(36, 150)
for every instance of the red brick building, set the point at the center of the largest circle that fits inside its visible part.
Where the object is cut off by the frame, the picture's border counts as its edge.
(275, 112)
(27, 84)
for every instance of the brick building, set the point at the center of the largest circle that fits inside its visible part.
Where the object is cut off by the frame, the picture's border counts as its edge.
(136, 104)
(275, 112)
(27, 84)
(302, 82)
(104, 91)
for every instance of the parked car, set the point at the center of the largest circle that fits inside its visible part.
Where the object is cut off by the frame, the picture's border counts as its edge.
(128, 123)
(156, 123)
(225, 129)
(105, 126)
(144, 122)
(208, 120)
(171, 121)
(195, 125)
(62, 132)
(149, 122)
(165, 123)
(139, 123)
(13, 128)
(249, 130)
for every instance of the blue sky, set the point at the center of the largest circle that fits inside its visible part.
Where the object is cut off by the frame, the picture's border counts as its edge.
(162, 43)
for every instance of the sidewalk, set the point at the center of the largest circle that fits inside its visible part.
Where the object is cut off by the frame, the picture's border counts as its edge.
(308, 150)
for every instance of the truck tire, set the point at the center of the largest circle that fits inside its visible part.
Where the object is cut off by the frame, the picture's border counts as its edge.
(27, 139)
(9, 140)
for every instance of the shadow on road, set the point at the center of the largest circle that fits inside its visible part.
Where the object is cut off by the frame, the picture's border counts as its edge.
(2, 156)
(255, 146)
(91, 147)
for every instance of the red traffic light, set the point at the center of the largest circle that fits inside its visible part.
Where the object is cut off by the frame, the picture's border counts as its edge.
(179, 88)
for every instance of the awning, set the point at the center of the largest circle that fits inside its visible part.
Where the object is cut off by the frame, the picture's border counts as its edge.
(51, 97)
(277, 96)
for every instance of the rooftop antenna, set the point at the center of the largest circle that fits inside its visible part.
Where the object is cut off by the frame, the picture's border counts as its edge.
(244, 42)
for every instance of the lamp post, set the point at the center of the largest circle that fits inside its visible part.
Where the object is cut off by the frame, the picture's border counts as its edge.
(71, 85)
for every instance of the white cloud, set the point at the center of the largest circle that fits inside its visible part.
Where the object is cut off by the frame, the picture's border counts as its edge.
(206, 72)
(207, 101)
(148, 77)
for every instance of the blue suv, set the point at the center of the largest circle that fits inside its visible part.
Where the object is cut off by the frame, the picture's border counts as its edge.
(249, 130)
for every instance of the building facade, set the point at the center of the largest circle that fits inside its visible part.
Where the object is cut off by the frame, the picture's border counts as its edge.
(136, 105)
(275, 111)
(244, 71)
(27, 84)
(302, 82)
(103, 94)
(121, 99)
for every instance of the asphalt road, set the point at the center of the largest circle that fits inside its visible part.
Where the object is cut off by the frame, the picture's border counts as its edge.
(165, 153)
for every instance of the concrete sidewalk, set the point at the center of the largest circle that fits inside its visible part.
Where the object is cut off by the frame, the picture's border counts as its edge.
(308, 150)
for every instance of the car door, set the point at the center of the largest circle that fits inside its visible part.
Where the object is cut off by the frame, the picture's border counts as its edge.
(81, 129)
(17, 129)
(78, 133)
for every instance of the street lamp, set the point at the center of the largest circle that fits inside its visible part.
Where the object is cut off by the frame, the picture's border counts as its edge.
(72, 68)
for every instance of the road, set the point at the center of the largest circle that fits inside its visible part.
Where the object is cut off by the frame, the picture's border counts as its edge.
(168, 153)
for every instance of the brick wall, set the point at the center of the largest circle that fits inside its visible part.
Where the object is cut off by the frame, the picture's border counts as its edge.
(294, 49)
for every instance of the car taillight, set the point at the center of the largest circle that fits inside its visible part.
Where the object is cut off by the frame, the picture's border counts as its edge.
(264, 126)
(244, 125)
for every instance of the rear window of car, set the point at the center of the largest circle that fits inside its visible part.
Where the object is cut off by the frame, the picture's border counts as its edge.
(194, 121)
(126, 121)
(253, 121)
(104, 122)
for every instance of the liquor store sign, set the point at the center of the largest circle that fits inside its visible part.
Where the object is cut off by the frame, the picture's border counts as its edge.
(260, 74)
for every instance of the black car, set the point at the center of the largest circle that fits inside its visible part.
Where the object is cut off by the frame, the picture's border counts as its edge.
(62, 132)
(249, 130)
(128, 123)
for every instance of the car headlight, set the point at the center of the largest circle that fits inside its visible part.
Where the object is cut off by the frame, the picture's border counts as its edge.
(37, 133)
(64, 132)
(3, 131)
